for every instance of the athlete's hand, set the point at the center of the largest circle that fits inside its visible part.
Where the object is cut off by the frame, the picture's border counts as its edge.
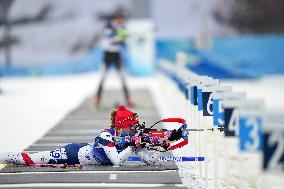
(133, 148)
(165, 145)
(137, 141)
(175, 135)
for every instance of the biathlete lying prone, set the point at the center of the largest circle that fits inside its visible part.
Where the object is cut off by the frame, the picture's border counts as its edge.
(112, 147)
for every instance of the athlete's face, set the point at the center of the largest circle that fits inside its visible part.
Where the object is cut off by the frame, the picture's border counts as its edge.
(119, 21)
(121, 130)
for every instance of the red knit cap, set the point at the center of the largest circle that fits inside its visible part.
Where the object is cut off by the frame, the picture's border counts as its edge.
(124, 118)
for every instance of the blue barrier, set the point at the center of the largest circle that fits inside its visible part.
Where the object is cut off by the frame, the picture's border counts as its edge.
(237, 57)
(170, 158)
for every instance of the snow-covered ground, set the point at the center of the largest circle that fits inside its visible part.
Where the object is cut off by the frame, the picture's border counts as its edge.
(269, 88)
(31, 106)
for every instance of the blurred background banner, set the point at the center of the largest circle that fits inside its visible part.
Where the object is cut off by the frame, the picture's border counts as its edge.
(222, 38)
(140, 54)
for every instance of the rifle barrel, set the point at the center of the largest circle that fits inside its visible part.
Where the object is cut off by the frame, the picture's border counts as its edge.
(199, 129)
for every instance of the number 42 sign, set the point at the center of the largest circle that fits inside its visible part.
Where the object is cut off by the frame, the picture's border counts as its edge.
(273, 150)
(273, 143)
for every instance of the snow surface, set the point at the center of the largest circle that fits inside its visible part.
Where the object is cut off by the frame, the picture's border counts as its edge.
(30, 106)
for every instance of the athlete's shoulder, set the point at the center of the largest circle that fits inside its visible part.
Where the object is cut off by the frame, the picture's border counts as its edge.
(106, 138)
(106, 134)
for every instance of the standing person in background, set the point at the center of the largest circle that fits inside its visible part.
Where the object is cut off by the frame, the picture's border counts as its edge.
(114, 40)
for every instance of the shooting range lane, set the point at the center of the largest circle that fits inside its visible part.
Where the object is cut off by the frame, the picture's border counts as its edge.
(82, 125)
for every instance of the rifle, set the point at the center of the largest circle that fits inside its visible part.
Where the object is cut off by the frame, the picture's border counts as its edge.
(152, 138)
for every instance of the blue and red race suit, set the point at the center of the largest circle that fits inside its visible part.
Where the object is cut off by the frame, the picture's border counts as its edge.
(102, 152)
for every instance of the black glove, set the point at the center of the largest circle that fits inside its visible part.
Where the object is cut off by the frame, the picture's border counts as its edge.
(175, 135)
(166, 145)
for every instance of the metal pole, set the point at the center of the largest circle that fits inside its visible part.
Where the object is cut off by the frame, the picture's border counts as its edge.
(4, 11)
(6, 37)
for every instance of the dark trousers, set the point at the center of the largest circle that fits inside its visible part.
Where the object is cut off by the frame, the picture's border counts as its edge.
(112, 58)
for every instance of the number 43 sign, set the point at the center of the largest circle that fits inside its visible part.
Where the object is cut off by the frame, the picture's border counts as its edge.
(250, 123)
(250, 134)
